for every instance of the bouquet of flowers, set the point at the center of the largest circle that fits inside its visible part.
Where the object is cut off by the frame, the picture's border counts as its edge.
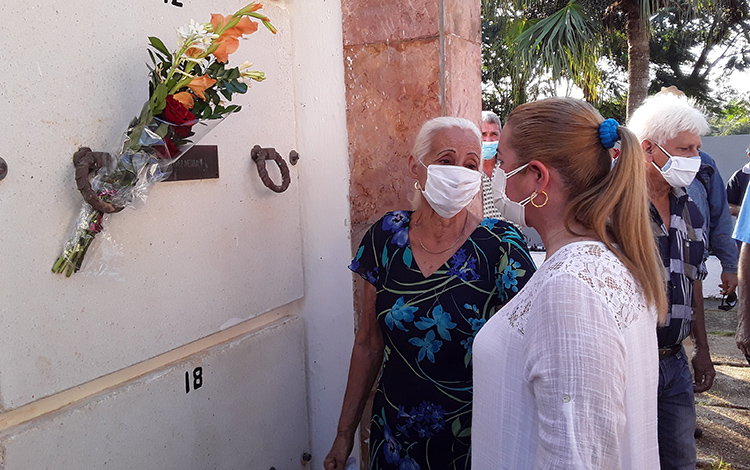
(189, 91)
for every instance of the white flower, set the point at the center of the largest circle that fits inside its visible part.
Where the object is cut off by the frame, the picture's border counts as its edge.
(195, 36)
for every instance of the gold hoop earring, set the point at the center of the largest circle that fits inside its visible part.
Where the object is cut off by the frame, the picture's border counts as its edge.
(417, 186)
(546, 199)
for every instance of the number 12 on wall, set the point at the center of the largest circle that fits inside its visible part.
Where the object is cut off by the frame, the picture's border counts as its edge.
(196, 381)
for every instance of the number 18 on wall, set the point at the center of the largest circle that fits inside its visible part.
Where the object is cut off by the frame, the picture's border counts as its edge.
(195, 381)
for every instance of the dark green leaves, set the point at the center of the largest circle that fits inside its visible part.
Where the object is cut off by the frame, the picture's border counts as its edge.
(158, 45)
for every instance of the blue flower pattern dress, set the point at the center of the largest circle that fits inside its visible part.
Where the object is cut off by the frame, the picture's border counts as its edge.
(421, 417)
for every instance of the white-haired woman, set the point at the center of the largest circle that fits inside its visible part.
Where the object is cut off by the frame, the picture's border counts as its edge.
(435, 275)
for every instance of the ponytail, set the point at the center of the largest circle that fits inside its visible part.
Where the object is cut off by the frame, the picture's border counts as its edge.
(617, 210)
(570, 136)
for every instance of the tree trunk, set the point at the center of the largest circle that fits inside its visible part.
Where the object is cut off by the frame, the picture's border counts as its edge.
(638, 55)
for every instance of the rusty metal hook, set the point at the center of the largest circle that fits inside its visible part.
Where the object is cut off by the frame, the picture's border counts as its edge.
(86, 163)
(259, 156)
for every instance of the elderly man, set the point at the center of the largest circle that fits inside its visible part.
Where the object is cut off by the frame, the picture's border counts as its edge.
(490, 135)
(669, 128)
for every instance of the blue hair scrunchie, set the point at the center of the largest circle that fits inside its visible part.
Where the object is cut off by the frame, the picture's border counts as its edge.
(608, 133)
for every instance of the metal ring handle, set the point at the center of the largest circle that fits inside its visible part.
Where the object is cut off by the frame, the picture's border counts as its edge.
(259, 156)
(86, 163)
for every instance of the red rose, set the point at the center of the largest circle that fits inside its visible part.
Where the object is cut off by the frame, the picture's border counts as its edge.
(168, 150)
(176, 113)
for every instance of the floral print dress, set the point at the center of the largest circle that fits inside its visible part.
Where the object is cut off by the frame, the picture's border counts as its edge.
(421, 417)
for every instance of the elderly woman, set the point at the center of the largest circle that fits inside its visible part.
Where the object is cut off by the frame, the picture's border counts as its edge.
(434, 277)
(566, 373)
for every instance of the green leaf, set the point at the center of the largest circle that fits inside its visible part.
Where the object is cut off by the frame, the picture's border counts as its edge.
(158, 45)
(465, 433)
(385, 256)
(153, 59)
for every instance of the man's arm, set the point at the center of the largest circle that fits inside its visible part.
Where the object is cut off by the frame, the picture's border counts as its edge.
(703, 367)
(720, 240)
(734, 209)
(742, 337)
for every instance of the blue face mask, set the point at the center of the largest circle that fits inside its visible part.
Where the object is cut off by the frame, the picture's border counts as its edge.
(489, 150)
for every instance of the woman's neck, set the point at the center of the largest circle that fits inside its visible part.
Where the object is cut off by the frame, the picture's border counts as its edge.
(430, 224)
(556, 236)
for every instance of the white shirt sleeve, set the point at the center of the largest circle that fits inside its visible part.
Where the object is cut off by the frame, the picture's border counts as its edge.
(575, 363)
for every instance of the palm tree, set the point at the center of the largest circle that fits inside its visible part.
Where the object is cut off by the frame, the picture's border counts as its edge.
(568, 42)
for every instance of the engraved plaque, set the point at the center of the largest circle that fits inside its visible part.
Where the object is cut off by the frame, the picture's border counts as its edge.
(200, 162)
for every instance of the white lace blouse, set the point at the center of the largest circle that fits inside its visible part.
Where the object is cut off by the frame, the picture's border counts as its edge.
(566, 374)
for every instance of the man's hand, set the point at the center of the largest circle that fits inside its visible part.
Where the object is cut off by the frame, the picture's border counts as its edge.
(728, 282)
(703, 369)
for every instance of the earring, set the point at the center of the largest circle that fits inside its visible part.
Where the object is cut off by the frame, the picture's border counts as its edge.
(417, 186)
(546, 199)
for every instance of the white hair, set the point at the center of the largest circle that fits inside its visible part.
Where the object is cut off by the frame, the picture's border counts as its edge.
(433, 126)
(489, 116)
(664, 115)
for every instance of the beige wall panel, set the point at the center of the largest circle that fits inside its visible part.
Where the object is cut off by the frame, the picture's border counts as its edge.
(245, 414)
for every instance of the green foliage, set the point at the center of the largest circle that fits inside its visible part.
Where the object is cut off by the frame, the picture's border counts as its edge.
(721, 465)
(734, 118)
(567, 44)
(682, 43)
(614, 107)
(227, 83)
(693, 42)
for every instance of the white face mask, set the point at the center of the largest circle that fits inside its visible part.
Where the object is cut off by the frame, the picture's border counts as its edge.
(679, 172)
(513, 211)
(450, 188)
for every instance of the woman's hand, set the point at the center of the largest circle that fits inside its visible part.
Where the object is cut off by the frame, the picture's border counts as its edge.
(336, 458)
(367, 357)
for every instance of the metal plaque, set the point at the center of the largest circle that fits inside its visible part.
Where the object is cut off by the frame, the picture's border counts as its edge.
(200, 162)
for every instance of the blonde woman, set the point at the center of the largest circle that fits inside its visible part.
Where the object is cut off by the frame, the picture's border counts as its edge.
(566, 373)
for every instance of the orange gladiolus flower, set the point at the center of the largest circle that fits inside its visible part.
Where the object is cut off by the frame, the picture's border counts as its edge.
(185, 98)
(199, 84)
(229, 41)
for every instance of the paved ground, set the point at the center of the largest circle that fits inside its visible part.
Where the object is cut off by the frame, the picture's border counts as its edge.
(724, 411)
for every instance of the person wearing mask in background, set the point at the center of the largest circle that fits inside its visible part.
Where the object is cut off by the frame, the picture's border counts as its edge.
(669, 128)
(708, 192)
(490, 134)
(434, 277)
(566, 374)
(737, 186)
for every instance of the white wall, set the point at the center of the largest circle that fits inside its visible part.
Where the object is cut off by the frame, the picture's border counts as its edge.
(199, 256)
(324, 190)
(729, 151)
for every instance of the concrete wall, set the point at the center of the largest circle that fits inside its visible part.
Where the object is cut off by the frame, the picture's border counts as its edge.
(92, 367)
(729, 151)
